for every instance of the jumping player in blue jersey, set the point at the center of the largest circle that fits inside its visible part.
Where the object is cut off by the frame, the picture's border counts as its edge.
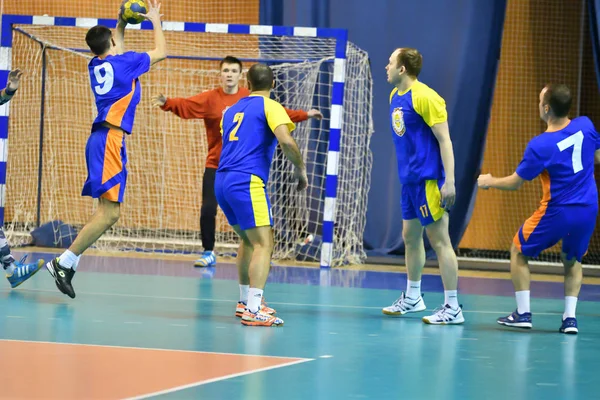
(419, 123)
(114, 77)
(563, 157)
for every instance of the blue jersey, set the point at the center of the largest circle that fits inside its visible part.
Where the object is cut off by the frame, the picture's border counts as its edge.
(413, 113)
(564, 160)
(117, 88)
(248, 140)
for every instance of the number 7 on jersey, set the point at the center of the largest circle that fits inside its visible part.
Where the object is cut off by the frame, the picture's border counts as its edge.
(575, 141)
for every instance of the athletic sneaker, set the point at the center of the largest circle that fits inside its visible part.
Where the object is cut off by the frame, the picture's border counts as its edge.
(445, 315)
(404, 305)
(569, 325)
(208, 259)
(517, 320)
(23, 272)
(62, 276)
(241, 308)
(260, 318)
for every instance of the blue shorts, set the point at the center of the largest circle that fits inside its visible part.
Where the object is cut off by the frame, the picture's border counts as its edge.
(573, 225)
(243, 199)
(422, 200)
(106, 160)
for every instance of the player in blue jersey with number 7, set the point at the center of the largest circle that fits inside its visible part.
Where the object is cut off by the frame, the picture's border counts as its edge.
(251, 129)
(563, 157)
(425, 158)
(114, 77)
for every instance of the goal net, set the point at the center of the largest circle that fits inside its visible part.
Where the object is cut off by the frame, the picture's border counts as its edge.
(50, 120)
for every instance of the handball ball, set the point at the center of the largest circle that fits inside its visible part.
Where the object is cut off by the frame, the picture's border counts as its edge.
(130, 10)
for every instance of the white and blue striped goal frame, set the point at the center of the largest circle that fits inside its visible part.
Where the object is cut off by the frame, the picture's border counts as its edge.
(337, 97)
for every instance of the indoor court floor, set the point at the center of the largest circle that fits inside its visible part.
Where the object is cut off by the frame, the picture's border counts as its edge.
(156, 327)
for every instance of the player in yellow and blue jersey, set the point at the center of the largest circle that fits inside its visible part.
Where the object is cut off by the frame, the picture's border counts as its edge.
(114, 78)
(563, 157)
(16, 271)
(419, 123)
(251, 129)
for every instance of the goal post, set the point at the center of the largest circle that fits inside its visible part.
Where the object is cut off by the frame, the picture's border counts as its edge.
(49, 122)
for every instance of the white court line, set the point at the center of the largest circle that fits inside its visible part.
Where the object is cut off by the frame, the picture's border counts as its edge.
(142, 296)
(151, 349)
(182, 387)
(221, 378)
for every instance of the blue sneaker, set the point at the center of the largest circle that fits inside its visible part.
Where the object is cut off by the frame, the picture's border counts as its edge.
(23, 272)
(569, 325)
(208, 259)
(517, 320)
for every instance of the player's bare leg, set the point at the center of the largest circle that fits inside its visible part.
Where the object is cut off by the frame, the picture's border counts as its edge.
(411, 300)
(573, 279)
(450, 312)
(261, 241)
(61, 268)
(519, 271)
(242, 261)
(439, 238)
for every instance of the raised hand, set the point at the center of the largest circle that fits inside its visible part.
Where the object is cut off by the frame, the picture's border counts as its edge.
(153, 15)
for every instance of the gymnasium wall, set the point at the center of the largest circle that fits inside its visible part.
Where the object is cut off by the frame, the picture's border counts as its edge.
(542, 42)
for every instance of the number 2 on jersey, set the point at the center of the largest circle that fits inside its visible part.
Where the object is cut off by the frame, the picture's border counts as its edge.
(105, 76)
(238, 118)
(575, 141)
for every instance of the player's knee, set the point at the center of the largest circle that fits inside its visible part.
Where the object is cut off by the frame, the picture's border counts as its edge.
(412, 238)
(111, 215)
(440, 242)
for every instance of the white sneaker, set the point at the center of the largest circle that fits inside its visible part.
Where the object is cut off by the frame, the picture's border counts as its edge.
(445, 315)
(404, 305)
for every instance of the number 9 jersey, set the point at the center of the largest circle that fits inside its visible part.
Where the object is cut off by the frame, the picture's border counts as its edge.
(116, 87)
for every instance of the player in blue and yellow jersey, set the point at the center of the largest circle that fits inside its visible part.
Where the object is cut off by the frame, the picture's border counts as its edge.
(563, 157)
(16, 271)
(419, 123)
(114, 78)
(251, 129)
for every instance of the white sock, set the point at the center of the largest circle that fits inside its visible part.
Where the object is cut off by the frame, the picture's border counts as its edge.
(10, 269)
(570, 306)
(413, 289)
(67, 259)
(254, 299)
(244, 293)
(523, 301)
(76, 262)
(451, 298)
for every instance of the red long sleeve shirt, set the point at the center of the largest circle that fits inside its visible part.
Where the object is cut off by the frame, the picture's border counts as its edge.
(210, 106)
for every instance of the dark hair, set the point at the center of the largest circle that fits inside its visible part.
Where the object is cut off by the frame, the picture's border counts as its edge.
(230, 60)
(98, 39)
(411, 59)
(559, 98)
(260, 77)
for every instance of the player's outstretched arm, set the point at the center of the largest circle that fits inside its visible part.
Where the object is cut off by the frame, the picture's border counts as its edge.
(292, 152)
(120, 35)
(195, 107)
(301, 115)
(153, 15)
(512, 182)
(442, 134)
(14, 78)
